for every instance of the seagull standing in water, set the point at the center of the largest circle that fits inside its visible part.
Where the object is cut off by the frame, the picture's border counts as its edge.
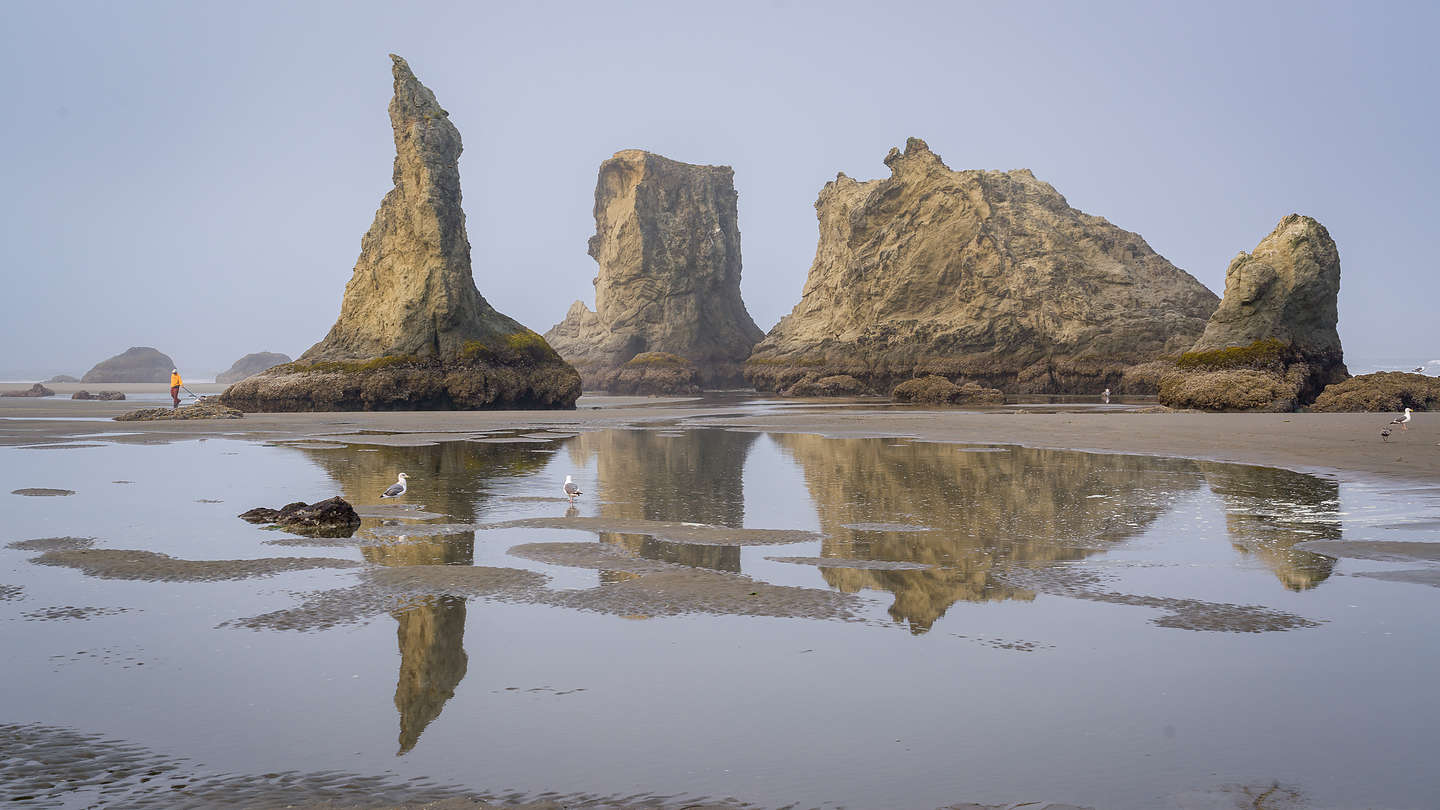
(396, 489)
(1402, 419)
(571, 490)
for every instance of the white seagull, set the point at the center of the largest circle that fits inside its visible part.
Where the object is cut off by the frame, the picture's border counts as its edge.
(1401, 420)
(396, 489)
(571, 490)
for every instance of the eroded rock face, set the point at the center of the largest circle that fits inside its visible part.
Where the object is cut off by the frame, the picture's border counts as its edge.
(137, 364)
(414, 333)
(668, 245)
(251, 364)
(979, 275)
(1272, 344)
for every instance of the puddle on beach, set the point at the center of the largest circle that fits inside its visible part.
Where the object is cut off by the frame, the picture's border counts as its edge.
(779, 618)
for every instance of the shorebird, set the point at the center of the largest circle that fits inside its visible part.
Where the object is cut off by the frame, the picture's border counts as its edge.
(571, 490)
(1402, 419)
(1105, 396)
(1385, 434)
(396, 489)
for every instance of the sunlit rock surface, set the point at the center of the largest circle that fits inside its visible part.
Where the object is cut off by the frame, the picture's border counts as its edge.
(414, 333)
(981, 275)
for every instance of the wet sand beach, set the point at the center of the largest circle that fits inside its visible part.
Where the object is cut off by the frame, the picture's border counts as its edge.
(754, 603)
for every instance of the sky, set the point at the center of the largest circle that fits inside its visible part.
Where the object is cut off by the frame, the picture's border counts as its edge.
(196, 176)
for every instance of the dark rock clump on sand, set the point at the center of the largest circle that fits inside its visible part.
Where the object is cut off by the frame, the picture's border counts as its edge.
(1272, 345)
(651, 374)
(1383, 391)
(980, 275)
(207, 408)
(834, 385)
(36, 390)
(414, 333)
(137, 364)
(936, 390)
(250, 365)
(107, 396)
(332, 517)
(667, 241)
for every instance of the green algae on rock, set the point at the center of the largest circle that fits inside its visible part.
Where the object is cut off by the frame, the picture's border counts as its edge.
(414, 333)
(1383, 391)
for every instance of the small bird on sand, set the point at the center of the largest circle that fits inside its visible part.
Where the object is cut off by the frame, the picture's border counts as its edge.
(1402, 419)
(1385, 434)
(571, 490)
(396, 489)
(1105, 396)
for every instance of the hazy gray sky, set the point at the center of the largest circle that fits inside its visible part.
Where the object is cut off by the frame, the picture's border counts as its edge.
(197, 176)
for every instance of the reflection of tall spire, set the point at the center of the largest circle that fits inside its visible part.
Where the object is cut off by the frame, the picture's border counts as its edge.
(696, 477)
(432, 662)
(1268, 511)
(985, 510)
(449, 478)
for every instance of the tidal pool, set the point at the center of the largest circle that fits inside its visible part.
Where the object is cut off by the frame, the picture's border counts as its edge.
(777, 618)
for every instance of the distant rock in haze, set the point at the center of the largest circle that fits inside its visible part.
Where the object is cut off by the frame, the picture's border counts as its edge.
(414, 333)
(63, 378)
(1274, 334)
(973, 275)
(36, 390)
(668, 244)
(251, 364)
(137, 364)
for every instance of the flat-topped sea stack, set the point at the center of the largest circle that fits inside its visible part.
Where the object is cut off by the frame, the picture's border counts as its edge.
(414, 333)
(250, 365)
(137, 364)
(981, 276)
(1272, 344)
(668, 245)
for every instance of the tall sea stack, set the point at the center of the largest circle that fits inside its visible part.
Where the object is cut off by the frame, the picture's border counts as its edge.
(667, 296)
(414, 333)
(975, 275)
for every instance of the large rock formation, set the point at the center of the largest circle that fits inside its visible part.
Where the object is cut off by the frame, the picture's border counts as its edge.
(250, 365)
(137, 364)
(982, 275)
(414, 332)
(668, 246)
(1272, 343)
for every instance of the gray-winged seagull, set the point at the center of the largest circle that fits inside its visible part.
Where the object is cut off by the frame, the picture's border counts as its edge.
(1402, 419)
(396, 489)
(571, 490)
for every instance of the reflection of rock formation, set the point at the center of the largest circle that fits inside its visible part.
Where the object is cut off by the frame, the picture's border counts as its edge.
(1268, 511)
(449, 478)
(985, 510)
(695, 477)
(432, 662)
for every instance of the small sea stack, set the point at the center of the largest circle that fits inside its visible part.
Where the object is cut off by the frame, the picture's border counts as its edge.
(137, 364)
(667, 241)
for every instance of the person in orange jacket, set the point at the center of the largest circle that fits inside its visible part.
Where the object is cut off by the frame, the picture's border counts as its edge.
(175, 383)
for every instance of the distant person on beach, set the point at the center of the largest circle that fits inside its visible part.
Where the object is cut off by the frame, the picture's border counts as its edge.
(1105, 396)
(175, 383)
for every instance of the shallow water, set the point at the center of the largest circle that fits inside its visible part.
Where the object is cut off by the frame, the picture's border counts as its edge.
(929, 625)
